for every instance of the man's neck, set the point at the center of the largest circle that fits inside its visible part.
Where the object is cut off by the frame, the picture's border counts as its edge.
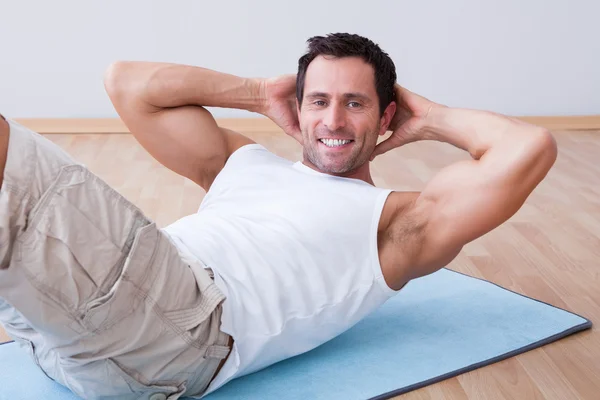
(362, 173)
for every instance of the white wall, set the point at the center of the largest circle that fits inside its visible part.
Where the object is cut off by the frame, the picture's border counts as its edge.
(518, 57)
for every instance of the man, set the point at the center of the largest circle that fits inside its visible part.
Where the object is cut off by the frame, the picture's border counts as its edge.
(111, 306)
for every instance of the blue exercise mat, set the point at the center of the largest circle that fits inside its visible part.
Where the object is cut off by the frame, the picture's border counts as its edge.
(439, 326)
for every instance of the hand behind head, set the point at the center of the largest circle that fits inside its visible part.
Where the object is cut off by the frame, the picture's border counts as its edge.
(280, 104)
(409, 122)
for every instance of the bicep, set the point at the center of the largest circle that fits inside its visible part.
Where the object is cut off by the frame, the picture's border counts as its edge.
(470, 198)
(186, 139)
(428, 232)
(464, 202)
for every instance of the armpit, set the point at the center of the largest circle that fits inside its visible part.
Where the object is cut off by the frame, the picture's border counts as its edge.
(402, 237)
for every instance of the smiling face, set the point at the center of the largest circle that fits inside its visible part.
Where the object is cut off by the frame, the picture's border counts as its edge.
(340, 115)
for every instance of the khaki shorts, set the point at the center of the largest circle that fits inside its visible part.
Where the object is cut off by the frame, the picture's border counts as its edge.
(97, 295)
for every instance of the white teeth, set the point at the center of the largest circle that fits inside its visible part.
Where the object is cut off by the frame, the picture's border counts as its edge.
(334, 142)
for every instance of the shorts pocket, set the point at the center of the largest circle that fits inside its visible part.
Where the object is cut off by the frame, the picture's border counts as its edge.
(77, 241)
(130, 289)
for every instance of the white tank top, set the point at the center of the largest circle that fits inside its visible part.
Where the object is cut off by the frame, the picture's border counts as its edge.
(294, 250)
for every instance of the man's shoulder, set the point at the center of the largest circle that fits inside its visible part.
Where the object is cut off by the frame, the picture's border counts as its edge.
(249, 151)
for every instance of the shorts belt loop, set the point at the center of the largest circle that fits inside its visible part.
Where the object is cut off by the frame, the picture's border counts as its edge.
(216, 351)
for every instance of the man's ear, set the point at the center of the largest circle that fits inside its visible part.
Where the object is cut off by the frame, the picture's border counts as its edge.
(387, 117)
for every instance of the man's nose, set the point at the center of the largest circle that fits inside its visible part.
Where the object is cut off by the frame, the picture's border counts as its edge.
(335, 118)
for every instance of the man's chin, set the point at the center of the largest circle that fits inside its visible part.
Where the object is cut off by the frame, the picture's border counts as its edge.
(335, 168)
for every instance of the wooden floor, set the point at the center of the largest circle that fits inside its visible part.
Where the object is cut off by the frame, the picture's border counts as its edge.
(550, 250)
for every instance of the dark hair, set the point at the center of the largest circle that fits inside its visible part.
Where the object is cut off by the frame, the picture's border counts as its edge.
(351, 45)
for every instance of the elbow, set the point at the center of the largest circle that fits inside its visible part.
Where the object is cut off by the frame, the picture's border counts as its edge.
(115, 79)
(546, 147)
(542, 152)
(138, 81)
(126, 80)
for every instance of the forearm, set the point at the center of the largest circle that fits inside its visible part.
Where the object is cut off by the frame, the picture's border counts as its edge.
(164, 85)
(478, 131)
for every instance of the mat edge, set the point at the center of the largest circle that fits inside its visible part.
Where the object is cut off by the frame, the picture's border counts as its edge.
(522, 295)
(490, 361)
(587, 324)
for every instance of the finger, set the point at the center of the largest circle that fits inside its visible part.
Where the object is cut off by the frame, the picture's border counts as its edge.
(402, 115)
(385, 146)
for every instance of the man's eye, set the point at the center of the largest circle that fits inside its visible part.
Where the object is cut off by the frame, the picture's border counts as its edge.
(319, 103)
(354, 104)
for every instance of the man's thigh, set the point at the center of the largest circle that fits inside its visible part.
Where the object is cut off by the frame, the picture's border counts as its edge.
(92, 288)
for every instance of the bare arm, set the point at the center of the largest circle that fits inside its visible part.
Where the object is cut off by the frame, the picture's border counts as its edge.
(163, 106)
(469, 198)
